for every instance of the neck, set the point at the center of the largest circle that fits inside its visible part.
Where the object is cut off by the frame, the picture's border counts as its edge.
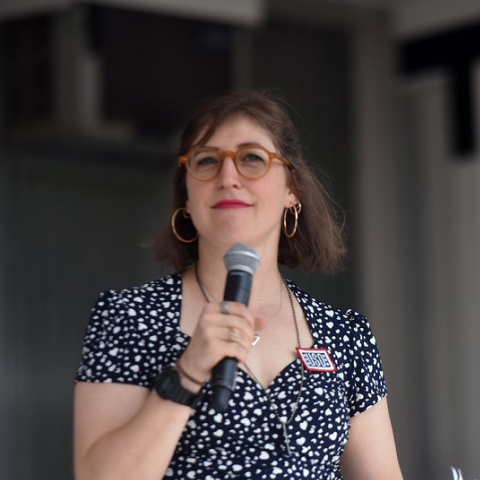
(213, 274)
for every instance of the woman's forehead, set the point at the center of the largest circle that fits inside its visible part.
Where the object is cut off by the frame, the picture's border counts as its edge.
(242, 127)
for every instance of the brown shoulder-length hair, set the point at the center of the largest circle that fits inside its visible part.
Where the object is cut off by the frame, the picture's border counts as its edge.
(318, 241)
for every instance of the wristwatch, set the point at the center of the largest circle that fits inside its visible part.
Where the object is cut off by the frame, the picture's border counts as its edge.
(168, 386)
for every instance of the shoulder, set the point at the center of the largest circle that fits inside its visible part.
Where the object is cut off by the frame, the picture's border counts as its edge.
(332, 317)
(128, 329)
(347, 336)
(162, 287)
(135, 298)
(347, 330)
(138, 309)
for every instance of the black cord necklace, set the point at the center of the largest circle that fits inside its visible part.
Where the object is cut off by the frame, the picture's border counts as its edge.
(273, 405)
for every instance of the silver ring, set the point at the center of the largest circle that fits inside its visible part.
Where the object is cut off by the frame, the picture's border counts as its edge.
(224, 308)
(233, 335)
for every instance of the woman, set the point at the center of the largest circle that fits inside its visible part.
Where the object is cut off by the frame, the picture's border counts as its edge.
(143, 397)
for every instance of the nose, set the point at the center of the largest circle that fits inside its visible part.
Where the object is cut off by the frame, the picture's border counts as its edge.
(228, 176)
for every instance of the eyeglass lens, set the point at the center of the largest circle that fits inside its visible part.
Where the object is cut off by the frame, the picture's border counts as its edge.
(251, 162)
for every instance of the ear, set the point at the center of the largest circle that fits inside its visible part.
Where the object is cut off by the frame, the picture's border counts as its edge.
(187, 207)
(291, 199)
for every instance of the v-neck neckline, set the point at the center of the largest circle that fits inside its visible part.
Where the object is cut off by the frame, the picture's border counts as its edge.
(308, 316)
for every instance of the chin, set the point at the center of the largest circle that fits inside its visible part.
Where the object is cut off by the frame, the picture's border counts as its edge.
(229, 240)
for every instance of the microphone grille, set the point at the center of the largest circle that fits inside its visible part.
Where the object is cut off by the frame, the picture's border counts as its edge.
(242, 257)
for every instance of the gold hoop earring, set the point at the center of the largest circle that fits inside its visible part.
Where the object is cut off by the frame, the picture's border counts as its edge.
(294, 210)
(174, 218)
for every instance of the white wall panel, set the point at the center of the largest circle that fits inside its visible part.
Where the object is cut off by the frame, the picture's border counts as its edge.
(445, 277)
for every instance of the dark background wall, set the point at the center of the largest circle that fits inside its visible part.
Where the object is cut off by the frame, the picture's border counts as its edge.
(85, 178)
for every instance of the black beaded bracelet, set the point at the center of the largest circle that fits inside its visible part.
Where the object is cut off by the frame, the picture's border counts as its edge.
(186, 375)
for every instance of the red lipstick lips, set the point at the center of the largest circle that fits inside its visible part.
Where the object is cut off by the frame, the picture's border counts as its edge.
(231, 204)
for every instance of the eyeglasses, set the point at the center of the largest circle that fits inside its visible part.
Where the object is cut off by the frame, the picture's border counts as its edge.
(204, 163)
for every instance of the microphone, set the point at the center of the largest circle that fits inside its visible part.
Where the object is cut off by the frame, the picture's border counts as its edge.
(241, 262)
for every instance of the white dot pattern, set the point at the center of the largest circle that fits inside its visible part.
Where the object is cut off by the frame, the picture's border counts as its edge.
(133, 334)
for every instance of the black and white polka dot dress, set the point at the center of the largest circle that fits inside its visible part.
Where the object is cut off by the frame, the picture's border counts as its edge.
(134, 333)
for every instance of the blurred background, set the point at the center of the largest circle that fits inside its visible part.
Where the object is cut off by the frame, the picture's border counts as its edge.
(386, 96)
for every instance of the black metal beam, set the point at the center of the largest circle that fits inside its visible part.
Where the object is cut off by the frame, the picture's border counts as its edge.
(454, 51)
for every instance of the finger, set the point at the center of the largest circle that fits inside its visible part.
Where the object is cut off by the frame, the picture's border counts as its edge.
(224, 307)
(229, 308)
(213, 324)
(244, 331)
(242, 337)
(233, 335)
(236, 310)
(211, 321)
(236, 346)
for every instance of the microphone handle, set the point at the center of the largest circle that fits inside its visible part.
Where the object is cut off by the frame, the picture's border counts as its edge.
(237, 289)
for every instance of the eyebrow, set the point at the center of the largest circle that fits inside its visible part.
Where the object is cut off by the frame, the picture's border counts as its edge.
(244, 144)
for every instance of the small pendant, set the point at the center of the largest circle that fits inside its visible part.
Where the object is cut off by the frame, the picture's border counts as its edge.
(257, 338)
(287, 440)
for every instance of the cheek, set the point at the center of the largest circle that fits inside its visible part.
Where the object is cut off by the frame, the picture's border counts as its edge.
(196, 195)
(188, 194)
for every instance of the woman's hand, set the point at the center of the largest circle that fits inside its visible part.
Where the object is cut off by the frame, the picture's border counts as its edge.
(218, 335)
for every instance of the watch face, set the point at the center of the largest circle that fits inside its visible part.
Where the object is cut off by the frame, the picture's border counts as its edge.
(168, 387)
(170, 378)
(168, 381)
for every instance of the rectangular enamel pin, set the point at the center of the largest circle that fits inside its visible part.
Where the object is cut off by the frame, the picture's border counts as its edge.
(316, 359)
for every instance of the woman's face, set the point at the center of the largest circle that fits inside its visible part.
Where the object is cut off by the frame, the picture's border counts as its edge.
(231, 208)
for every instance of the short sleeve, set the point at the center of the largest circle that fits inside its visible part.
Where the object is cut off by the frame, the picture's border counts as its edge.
(367, 382)
(111, 350)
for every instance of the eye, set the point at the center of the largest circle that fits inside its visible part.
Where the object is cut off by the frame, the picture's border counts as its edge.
(253, 156)
(204, 159)
(207, 160)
